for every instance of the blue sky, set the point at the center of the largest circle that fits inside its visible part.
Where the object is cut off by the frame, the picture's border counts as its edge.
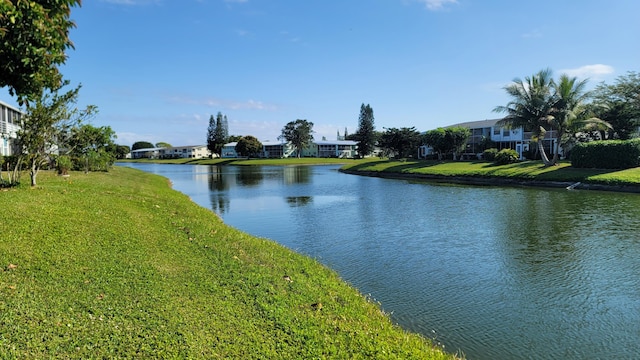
(157, 69)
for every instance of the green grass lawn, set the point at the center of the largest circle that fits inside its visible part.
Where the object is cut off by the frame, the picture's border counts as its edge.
(526, 170)
(118, 265)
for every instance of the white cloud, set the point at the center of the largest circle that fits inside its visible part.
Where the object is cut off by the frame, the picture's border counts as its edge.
(437, 4)
(595, 71)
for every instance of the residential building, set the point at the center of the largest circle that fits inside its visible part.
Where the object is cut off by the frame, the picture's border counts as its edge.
(486, 134)
(10, 118)
(321, 148)
(174, 152)
(150, 153)
(229, 150)
(191, 151)
(332, 148)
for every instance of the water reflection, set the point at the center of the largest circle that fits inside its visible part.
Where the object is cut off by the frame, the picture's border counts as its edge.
(296, 174)
(295, 201)
(248, 176)
(217, 182)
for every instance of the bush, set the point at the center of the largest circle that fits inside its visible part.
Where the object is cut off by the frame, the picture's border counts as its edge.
(506, 156)
(606, 154)
(490, 154)
(63, 164)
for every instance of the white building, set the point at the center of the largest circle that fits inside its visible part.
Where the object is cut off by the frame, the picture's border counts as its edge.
(181, 152)
(10, 118)
(229, 150)
(150, 153)
(332, 148)
(174, 152)
(321, 148)
(500, 138)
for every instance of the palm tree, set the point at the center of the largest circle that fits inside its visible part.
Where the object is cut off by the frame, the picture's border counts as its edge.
(531, 107)
(569, 115)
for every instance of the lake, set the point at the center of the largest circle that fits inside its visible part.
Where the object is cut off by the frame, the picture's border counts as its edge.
(495, 272)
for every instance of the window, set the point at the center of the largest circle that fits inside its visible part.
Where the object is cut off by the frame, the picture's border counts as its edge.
(506, 132)
(496, 131)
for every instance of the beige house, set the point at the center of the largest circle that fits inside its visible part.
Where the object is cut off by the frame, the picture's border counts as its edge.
(180, 152)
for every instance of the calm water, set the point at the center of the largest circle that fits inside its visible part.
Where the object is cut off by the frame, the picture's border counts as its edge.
(499, 273)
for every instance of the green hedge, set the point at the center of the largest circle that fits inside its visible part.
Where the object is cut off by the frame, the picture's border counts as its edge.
(506, 156)
(607, 154)
(490, 154)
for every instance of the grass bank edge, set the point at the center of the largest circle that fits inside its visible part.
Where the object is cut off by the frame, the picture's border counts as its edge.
(525, 171)
(119, 265)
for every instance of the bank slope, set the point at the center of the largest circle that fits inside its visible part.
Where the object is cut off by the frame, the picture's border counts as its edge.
(119, 265)
(530, 173)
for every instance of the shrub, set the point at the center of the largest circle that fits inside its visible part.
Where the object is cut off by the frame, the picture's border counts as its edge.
(63, 164)
(506, 156)
(490, 154)
(606, 154)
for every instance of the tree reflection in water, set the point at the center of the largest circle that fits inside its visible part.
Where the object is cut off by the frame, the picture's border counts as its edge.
(295, 201)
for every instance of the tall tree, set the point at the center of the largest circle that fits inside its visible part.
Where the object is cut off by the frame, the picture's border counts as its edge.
(33, 38)
(365, 134)
(456, 137)
(569, 114)
(234, 138)
(142, 145)
(122, 151)
(249, 146)
(163, 144)
(211, 132)
(45, 124)
(217, 133)
(401, 142)
(619, 105)
(437, 139)
(531, 107)
(299, 133)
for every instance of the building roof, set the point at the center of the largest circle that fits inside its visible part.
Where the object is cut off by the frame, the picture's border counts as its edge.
(186, 146)
(10, 106)
(335, 142)
(147, 149)
(476, 124)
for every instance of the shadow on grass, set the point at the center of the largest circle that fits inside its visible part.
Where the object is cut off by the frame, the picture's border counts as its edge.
(522, 164)
(407, 167)
(399, 168)
(573, 174)
(548, 173)
(360, 167)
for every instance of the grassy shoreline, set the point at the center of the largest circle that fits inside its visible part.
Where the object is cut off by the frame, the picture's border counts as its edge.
(119, 265)
(531, 173)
